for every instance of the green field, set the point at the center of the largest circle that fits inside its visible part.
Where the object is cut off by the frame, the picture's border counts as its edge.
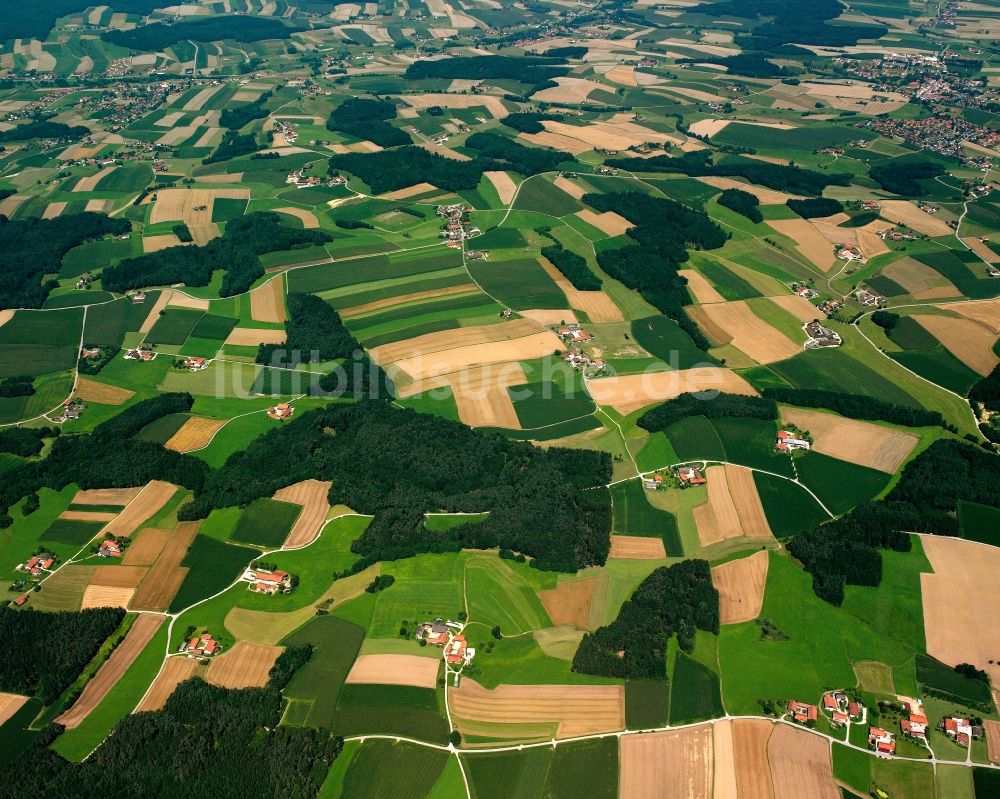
(839, 485)
(695, 693)
(393, 770)
(174, 326)
(161, 430)
(266, 523)
(392, 710)
(788, 507)
(647, 704)
(212, 565)
(70, 531)
(519, 284)
(663, 338)
(633, 515)
(979, 522)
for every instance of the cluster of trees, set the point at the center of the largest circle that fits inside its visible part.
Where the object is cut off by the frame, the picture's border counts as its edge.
(398, 464)
(182, 232)
(233, 144)
(887, 320)
(743, 203)
(130, 421)
(526, 69)
(237, 251)
(502, 153)
(25, 441)
(856, 406)
(846, 551)
(44, 129)
(676, 599)
(42, 653)
(315, 334)
(365, 118)
(34, 247)
(694, 404)
(290, 661)
(987, 391)
(792, 179)
(17, 386)
(813, 207)
(527, 121)
(158, 36)
(663, 229)
(380, 583)
(35, 20)
(238, 116)
(905, 177)
(231, 736)
(753, 65)
(573, 266)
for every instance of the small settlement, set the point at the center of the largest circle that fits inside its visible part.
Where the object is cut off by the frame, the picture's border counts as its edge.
(200, 646)
(268, 581)
(448, 636)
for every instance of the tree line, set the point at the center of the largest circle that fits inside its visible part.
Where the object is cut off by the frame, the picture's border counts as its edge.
(574, 267)
(241, 115)
(693, 404)
(678, 599)
(365, 118)
(25, 441)
(743, 203)
(812, 207)
(44, 129)
(856, 406)
(526, 69)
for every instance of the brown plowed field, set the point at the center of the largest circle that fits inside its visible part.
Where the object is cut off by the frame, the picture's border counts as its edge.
(106, 496)
(118, 576)
(112, 670)
(92, 391)
(700, 288)
(197, 432)
(52, 210)
(753, 773)
(637, 547)
(415, 670)
(246, 665)
(631, 392)
(9, 705)
(969, 341)
(724, 771)
(106, 596)
(667, 764)
(849, 440)
(311, 495)
(960, 600)
(146, 547)
(569, 603)
(87, 515)
(577, 709)
(992, 729)
(751, 334)
(157, 591)
(267, 301)
(733, 509)
(740, 584)
(175, 670)
(147, 503)
(716, 335)
(800, 764)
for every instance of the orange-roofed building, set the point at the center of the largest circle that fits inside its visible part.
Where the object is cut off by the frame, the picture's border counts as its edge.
(803, 713)
(280, 411)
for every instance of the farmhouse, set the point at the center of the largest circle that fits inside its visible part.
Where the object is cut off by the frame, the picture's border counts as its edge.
(915, 726)
(195, 364)
(139, 297)
(652, 483)
(281, 411)
(90, 353)
(788, 442)
(36, 564)
(830, 307)
(882, 741)
(574, 334)
(110, 548)
(961, 731)
(201, 646)
(803, 290)
(21, 600)
(141, 354)
(850, 253)
(821, 336)
(433, 632)
(458, 651)
(265, 581)
(690, 476)
(802, 713)
(868, 298)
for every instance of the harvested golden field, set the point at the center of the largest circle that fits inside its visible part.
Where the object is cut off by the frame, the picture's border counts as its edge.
(766, 196)
(118, 576)
(622, 75)
(146, 547)
(550, 317)
(5, 316)
(447, 339)
(569, 90)
(91, 391)
(308, 218)
(808, 241)
(504, 184)
(311, 495)
(266, 627)
(981, 249)
(574, 190)
(598, 306)
(724, 767)
(569, 603)
(462, 355)
(960, 600)
(409, 191)
(90, 183)
(864, 238)
(157, 591)
(922, 282)
(906, 213)
(992, 729)
(753, 773)
(246, 665)
(661, 764)
(175, 670)
(106, 496)
(424, 101)
(267, 301)
(555, 141)
(629, 393)
(797, 306)
(106, 596)
(9, 705)
(198, 101)
(146, 504)
(708, 127)
(986, 312)
(154, 312)
(112, 670)
(613, 135)
(251, 336)
(87, 515)
(608, 222)
(225, 177)
(700, 288)
(800, 764)
(969, 341)
(402, 299)
(749, 333)
(162, 242)
(733, 509)
(52, 210)
(863, 443)
(174, 205)
(196, 433)
(415, 670)
(740, 584)
(576, 709)
(635, 547)
(481, 394)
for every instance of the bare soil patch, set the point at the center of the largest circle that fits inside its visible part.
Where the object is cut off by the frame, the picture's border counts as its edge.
(415, 670)
(52, 210)
(740, 584)
(753, 774)
(635, 547)
(9, 705)
(504, 184)
(699, 286)
(112, 670)
(800, 764)
(661, 764)
(906, 213)
(118, 576)
(733, 509)
(969, 341)
(992, 729)
(175, 670)
(751, 334)
(857, 442)
(308, 218)
(960, 600)
(608, 222)
(197, 432)
(146, 547)
(146, 504)
(569, 603)
(797, 306)
(808, 241)
(629, 393)
(246, 665)
(91, 391)
(267, 301)
(106, 596)
(986, 312)
(157, 591)
(106, 496)
(576, 709)
(252, 336)
(311, 495)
